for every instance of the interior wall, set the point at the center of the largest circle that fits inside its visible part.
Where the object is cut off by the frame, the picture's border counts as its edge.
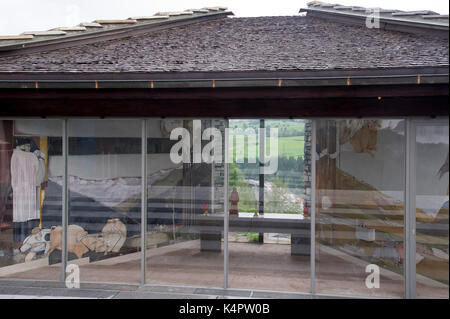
(109, 166)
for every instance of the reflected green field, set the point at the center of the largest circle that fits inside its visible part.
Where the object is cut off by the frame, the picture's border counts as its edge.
(291, 146)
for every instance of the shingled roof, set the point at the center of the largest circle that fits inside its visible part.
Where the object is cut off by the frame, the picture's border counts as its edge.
(304, 43)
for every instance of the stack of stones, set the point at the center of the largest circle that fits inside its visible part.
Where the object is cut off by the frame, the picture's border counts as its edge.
(219, 169)
(307, 173)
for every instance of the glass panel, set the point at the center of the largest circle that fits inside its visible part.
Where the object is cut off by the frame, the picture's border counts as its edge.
(360, 167)
(104, 168)
(185, 202)
(432, 211)
(270, 236)
(30, 198)
(243, 174)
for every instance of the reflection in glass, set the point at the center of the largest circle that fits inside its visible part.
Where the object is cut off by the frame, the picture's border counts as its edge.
(270, 234)
(432, 211)
(243, 173)
(30, 198)
(104, 167)
(185, 203)
(360, 167)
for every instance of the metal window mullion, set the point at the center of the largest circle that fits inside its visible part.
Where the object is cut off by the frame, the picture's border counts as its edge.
(144, 187)
(262, 161)
(412, 213)
(406, 217)
(225, 208)
(65, 199)
(313, 209)
(410, 209)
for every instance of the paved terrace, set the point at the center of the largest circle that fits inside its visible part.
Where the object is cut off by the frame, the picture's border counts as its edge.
(25, 289)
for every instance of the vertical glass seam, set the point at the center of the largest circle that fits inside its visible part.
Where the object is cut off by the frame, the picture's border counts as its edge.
(65, 200)
(406, 218)
(225, 208)
(143, 200)
(313, 209)
(409, 247)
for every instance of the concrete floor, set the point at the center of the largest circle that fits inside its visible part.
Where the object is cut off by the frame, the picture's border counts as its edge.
(27, 289)
(268, 267)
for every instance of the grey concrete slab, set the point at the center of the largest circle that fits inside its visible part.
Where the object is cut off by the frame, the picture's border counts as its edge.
(155, 295)
(279, 295)
(59, 284)
(168, 289)
(124, 291)
(37, 291)
(130, 295)
(28, 297)
(14, 283)
(10, 290)
(334, 297)
(89, 293)
(102, 286)
(222, 292)
(64, 292)
(47, 284)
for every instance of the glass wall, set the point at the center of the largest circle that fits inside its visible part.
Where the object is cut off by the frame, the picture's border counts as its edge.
(360, 182)
(269, 239)
(30, 199)
(104, 178)
(358, 169)
(185, 212)
(431, 202)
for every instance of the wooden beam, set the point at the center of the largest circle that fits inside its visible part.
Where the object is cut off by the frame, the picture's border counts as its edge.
(238, 108)
(246, 93)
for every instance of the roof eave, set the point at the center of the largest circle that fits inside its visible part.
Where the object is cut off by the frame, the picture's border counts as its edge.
(230, 82)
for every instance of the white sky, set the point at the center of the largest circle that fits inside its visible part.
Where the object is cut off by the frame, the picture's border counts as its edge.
(17, 16)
